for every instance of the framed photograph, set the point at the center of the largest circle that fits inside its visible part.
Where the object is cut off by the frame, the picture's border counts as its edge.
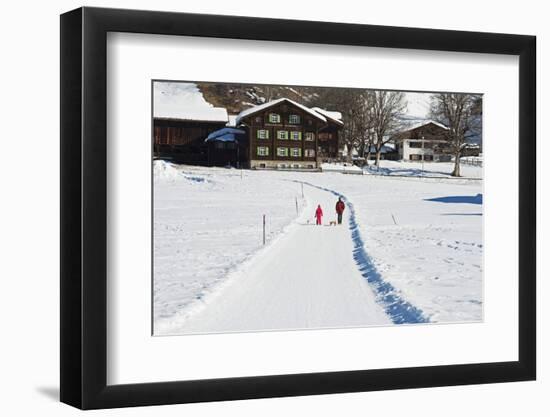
(257, 208)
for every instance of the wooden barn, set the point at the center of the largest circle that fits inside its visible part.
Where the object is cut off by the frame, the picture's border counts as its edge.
(284, 134)
(181, 139)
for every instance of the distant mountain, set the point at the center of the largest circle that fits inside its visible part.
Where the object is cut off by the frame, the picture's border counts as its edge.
(238, 97)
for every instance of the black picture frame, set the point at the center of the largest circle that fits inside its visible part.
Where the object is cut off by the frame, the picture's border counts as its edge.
(84, 207)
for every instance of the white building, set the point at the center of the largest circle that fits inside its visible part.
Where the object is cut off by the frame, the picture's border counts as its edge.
(425, 141)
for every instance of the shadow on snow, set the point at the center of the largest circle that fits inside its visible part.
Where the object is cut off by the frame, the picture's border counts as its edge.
(407, 172)
(458, 199)
(399, 310)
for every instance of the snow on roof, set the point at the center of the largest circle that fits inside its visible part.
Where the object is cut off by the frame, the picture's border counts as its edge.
(255, 109)
(227, 134)
(184, 101)
(232, 120)
(333, 115)
(424, 123)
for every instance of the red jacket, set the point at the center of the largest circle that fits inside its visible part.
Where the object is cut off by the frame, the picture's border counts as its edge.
(340, 206)
(318, 212)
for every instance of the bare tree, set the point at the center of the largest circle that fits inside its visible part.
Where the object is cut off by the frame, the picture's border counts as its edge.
(365, 134)
(386, 109)
(460, 113)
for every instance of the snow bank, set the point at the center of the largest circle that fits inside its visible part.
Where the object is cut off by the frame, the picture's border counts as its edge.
(165, 171)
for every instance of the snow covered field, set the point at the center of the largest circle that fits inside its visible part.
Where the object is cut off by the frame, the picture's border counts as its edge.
(427, 169)
(409, 250)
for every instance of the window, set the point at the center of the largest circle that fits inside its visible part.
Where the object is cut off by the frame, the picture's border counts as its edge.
(294, 119)
(282, 151)
(274, 118)
(414, 157)
(428, 157)
(309, 153)
(295, 152)
(262, 151)
(282, 134)
(262, 134)
(415, 144)
(310, 136)
(296, 135)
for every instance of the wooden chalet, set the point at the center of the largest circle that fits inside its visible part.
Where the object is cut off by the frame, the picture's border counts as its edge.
(284, 134)
(425, 141)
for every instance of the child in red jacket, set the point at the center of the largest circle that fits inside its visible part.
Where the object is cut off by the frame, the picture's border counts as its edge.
(319, 215)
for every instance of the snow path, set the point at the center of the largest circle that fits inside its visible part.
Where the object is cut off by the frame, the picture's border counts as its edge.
(399, 310)
(308, 278)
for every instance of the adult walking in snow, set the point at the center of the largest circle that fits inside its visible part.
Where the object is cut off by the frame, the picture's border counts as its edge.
(319, 215)
(340, 206)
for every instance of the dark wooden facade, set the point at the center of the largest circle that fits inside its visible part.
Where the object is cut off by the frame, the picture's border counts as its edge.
(328, 147)
(183, 140)
(286, 135)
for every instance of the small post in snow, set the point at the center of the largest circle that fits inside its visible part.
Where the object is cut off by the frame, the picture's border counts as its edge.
(394, 222)
(302, 190)
(264, 228)
(296, 199)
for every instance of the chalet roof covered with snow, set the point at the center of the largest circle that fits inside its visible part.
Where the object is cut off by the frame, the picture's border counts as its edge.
(425, 123)
(261, 107)
(335, 116)
(184, 101)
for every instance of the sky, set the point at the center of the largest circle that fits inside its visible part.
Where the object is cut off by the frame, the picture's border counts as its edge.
(418, 105)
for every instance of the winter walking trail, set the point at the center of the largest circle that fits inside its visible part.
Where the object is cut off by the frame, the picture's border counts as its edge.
(308, 278)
